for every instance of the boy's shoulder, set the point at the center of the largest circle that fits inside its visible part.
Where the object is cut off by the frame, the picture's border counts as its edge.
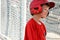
(30, 22)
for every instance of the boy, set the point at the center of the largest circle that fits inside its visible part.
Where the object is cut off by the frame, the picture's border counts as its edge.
(35, 29)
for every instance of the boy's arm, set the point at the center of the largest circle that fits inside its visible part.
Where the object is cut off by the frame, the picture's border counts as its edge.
(28, 33)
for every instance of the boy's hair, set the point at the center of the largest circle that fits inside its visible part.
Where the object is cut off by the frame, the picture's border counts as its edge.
(32, 14)
(45, 4)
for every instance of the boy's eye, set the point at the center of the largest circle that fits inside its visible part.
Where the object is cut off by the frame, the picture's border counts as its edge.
(45, 10)
(36, 8)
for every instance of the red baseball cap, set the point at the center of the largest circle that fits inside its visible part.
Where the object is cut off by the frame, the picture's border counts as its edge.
(36, 3)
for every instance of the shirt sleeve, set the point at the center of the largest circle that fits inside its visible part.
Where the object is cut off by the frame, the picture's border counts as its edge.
(28, 33)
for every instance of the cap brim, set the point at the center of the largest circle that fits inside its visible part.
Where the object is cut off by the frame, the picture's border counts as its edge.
(51, 4)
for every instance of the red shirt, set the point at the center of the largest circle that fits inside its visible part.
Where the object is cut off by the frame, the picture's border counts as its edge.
(35, 31)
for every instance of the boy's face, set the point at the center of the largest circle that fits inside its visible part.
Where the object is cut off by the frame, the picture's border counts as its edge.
(45, 11)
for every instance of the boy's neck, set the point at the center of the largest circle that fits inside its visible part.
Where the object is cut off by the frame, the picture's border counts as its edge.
(37, 19)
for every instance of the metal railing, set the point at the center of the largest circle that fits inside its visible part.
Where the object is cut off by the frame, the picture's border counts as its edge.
(3, 37)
